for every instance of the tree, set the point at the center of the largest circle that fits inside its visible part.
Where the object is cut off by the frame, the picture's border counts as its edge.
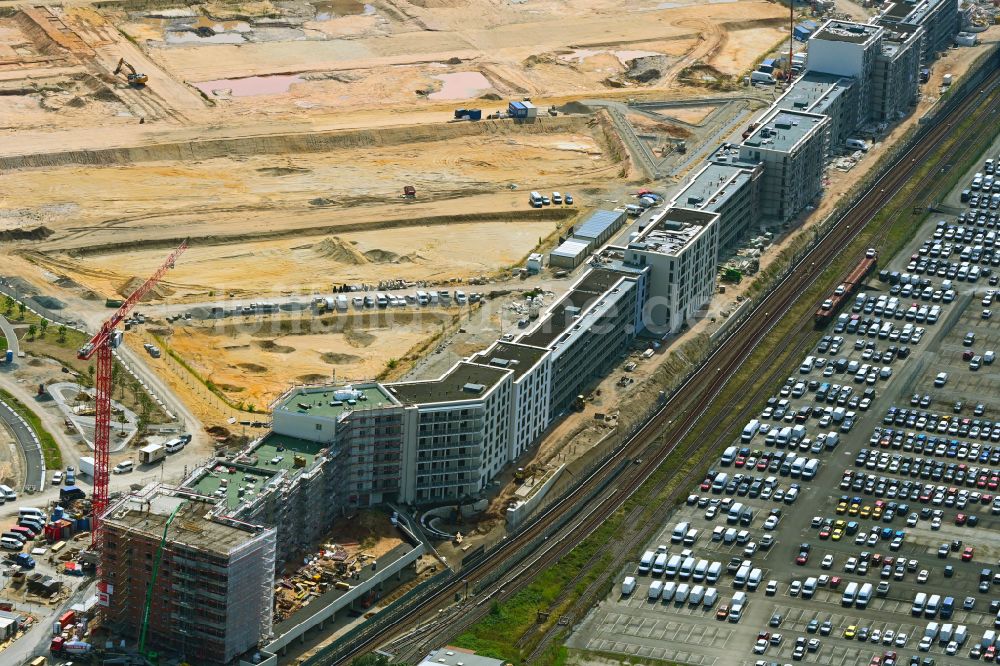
(8, 304)
(90, 373)
(62, 333)
(116, 375)
(31, 331)
(20, 310)
(136, 387)
(42, 325)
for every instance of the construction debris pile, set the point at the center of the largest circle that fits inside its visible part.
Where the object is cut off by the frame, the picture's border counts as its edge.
(333, 566)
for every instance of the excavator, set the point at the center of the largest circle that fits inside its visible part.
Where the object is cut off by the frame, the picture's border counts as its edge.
(134, 77)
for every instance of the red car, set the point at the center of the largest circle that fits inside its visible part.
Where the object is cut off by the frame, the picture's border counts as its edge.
(824, 533)
(876, 660)
(803, 558)
(968, 553)
(705, 485)
(960, 519)
(990, 653)
(835, 582)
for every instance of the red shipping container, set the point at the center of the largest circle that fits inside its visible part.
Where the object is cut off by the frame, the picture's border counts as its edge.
(66, 619)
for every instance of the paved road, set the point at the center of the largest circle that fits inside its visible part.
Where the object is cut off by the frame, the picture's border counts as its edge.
(8, 332)
(28, 441)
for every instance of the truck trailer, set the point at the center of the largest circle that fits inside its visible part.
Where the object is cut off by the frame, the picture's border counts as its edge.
(152, 453)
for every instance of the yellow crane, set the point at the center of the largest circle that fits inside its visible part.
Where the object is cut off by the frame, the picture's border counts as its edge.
(134, 77)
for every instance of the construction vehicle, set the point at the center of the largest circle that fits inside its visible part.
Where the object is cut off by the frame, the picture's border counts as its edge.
(409, 191)
(134, 77)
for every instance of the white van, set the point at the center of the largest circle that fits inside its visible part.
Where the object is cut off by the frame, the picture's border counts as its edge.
(697, 594)
(729, 455)
(857, 144)
(850, 593)
(810, 469)
(919, 601)
(673, 566)
(660, 564)
(753, 580)
(741, 576)
(680, 531)
(646, 562)
(700, 570)
(737, 607)
(714, 571)
(734, 513)
(681, 595)
(10, 543)
(809, 587)
(668, 591)
(628, 585)
(687, 568)
(711, 596)
(719, 483)
(864, 595)
(124, 467)
(174, 445)
(933, 603)
(750, 430)
(655, 588)
(30, 511)
(762, 77)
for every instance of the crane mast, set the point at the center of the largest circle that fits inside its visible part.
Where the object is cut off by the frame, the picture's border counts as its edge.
(101, 346)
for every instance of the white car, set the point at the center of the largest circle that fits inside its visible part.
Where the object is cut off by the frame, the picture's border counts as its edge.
(827, 562)
(760, 646)
(771, 523)
(922, 576)
(794, 588)
(925, 644)
(900, 639)
(57, 478)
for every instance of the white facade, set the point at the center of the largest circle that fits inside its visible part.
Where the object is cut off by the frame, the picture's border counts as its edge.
(680, 248)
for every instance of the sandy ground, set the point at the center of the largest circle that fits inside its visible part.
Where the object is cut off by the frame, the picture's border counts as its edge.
(256, 367)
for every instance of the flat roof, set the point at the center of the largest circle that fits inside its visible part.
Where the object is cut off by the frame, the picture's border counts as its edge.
(713, 186)
(674, 231)
(332, 401)
(571, 247)
(277, 452)
(599, 222)
(453, 656)
(510, 356)
(847, 31)
(594, 284)
(464, 381)
(908, 12)
(225, 479)
(814, 89)
(783, 129)
(191, 526)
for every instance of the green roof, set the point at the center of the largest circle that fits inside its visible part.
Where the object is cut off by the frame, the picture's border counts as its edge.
(251, 480)
(321, 400)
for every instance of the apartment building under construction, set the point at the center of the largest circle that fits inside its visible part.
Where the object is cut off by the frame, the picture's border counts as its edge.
(182, 582)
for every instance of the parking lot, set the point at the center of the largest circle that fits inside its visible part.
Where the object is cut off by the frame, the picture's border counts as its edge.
(877, 462)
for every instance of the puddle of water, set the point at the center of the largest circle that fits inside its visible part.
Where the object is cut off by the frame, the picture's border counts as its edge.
(460, 85)
(579, 55)
(185, 37)
(219, 26)
(330, 9)
(251, 86)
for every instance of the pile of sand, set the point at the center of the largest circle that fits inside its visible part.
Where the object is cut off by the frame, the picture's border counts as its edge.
(378, 256)
(159, 290)
(357, 338)
(334, 358)
(336, 249)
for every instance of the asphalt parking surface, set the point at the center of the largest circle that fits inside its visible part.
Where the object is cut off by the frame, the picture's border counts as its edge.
(633, 625)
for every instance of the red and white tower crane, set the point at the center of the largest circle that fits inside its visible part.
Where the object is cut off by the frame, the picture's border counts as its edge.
(101, 345)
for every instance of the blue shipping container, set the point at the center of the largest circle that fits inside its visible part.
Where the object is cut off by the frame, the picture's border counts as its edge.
(475, 114)
(517, 110)
(801, 34)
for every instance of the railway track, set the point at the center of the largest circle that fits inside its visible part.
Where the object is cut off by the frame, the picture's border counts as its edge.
(666, 430)
(763, 381)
